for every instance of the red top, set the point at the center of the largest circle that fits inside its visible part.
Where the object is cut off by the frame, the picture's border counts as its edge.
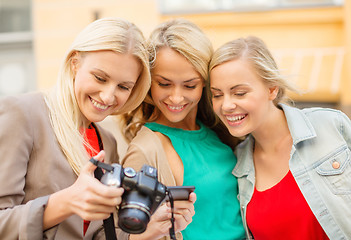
(282, 212)
(92, 138)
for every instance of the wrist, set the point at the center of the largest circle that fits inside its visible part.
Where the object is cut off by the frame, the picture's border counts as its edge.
(56, 210)
(147, 235)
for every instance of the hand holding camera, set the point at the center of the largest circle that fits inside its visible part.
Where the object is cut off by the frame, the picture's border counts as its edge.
(143, 193)
(87, 198)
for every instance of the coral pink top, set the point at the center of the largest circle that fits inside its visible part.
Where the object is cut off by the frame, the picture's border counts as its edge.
(92, 138)
(282, 212)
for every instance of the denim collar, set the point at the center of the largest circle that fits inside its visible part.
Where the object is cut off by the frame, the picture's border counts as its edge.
(299, 126)
(300, 129)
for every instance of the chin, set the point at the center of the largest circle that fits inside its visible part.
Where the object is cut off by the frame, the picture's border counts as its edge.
(236, 133)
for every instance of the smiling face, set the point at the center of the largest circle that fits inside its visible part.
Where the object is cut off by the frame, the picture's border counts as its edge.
(103, 82)
(240, 98)
(176, 89)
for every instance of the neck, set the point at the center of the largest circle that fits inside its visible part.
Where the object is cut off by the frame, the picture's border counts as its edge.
(273, 133)
(188, 123)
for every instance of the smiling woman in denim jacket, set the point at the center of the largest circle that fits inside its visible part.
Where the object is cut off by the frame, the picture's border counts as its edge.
(294, 167)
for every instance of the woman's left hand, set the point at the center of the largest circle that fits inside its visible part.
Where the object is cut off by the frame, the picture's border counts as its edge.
(160, 221)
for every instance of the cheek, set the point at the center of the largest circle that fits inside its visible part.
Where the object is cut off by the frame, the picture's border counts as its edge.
(196, 95)
(217, 107)
(79, 84)
(156, 93)
(123, 97)
(77, 89)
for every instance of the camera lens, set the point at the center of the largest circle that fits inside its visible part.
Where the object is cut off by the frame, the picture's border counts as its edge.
(133, 220)
(134, 213)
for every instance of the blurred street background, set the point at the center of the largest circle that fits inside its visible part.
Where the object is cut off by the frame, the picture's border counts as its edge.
(311, 39)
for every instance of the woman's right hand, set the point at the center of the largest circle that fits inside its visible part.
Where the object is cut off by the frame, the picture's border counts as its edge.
(90, 199)
(87, 197)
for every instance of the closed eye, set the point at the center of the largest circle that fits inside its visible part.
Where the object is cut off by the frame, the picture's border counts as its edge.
(163, 84)
(240, 94)
(124, 87)
(216, 95)
(100, 79)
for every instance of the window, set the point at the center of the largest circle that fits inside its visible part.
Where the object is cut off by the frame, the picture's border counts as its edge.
(196, 6)
(16, 51)
(15, 15)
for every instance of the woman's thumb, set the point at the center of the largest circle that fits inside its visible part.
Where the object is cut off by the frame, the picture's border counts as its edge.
(90, 167)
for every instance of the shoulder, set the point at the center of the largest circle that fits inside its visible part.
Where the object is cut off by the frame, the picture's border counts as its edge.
(145, 138)
(314, 116)
(325, 116)
(23, 107)
(145, 148)
(145, 143)
(318, 111)
(31, 100)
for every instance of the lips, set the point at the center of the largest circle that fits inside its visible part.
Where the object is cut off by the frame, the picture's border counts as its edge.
(98, 105)
(235, 119)
(177, 108)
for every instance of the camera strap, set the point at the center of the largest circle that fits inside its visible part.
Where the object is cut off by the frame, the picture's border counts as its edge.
(171, 230)
(109, 223)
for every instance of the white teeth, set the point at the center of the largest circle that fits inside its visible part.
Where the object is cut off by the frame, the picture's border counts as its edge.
(175, 108)
(98, 105)
(235, 118)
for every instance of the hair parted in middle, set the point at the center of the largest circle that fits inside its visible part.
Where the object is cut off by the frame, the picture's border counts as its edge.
(186, 38)
(106, 34)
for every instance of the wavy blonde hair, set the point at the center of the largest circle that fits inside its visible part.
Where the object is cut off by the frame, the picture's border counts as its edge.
(189, 40)
(113, 34)
(256, 52)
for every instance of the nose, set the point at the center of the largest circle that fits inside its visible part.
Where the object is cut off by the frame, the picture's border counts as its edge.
(176, 95)
(108, 95)
(228, 104)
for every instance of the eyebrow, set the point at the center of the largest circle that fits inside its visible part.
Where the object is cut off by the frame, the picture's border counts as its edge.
(232, 88)
(108, 76)
(102, 72)
(189, 80)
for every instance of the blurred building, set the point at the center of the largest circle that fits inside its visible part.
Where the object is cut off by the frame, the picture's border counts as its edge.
(311, 39)
(17, 68)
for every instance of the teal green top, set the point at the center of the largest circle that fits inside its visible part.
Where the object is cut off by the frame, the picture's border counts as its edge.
(208, 165)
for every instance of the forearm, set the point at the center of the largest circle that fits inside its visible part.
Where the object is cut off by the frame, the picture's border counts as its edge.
(23, 221)
(56, 210)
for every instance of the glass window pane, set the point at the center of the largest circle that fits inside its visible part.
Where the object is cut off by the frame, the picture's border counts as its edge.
(186, 6)
(15, 15)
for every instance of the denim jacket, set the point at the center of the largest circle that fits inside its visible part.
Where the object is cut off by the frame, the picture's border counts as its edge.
(320, 163)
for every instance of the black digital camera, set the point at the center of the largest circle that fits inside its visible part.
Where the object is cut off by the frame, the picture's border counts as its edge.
(143, 193)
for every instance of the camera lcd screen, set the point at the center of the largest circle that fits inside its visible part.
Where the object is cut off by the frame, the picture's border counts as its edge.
(180, 192)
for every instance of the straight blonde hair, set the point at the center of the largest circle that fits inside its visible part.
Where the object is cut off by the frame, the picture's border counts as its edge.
(113, 34)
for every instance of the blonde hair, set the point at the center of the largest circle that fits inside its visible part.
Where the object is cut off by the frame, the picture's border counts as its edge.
(112, 34)
(256, 52)
(189, 40)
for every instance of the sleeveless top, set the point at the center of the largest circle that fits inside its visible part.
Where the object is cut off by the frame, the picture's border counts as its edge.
(281, 212)
(208, 165)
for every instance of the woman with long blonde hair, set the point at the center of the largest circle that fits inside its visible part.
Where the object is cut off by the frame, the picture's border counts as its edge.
(46, 139)
(176, 131)
(294, 166)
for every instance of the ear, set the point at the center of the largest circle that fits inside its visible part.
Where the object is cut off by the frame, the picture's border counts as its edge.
(75, 62)
(273, 92)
